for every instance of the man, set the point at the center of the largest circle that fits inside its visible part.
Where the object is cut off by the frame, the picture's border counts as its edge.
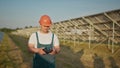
(44, 44)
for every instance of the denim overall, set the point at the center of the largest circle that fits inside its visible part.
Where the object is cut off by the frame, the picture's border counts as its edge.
(44, 61)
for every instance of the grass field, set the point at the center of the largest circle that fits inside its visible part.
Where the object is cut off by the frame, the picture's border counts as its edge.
(21, 42)
(98, 57)
(78, 56)
(10, 54)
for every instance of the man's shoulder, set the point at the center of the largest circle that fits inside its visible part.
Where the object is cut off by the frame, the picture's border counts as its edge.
(34, 33)
(54, 35)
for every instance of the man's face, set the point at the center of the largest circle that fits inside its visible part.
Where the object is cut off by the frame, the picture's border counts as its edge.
(45, 28)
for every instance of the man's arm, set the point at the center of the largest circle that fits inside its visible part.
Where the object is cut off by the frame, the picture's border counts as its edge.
(35, 50)
(56, 50)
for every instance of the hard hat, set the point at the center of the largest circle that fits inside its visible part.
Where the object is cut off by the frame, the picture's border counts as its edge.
(45, 20)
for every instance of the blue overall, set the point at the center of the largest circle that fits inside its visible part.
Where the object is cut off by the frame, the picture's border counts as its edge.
(44, 61)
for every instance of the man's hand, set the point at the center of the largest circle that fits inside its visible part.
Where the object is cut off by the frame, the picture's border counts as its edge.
(41, 51)
(53, 52)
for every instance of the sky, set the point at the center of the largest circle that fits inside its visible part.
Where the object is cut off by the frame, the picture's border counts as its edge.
(21, 13)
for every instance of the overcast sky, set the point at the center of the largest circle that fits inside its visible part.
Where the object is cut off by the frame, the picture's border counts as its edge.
(21, 13)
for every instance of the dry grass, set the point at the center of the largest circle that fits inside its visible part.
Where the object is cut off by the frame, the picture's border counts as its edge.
(95, 57)
(10, 54)
(21, 42)
(78, 56)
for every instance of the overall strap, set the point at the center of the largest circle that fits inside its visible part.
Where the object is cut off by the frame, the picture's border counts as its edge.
(52, 39)
(37, 37)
